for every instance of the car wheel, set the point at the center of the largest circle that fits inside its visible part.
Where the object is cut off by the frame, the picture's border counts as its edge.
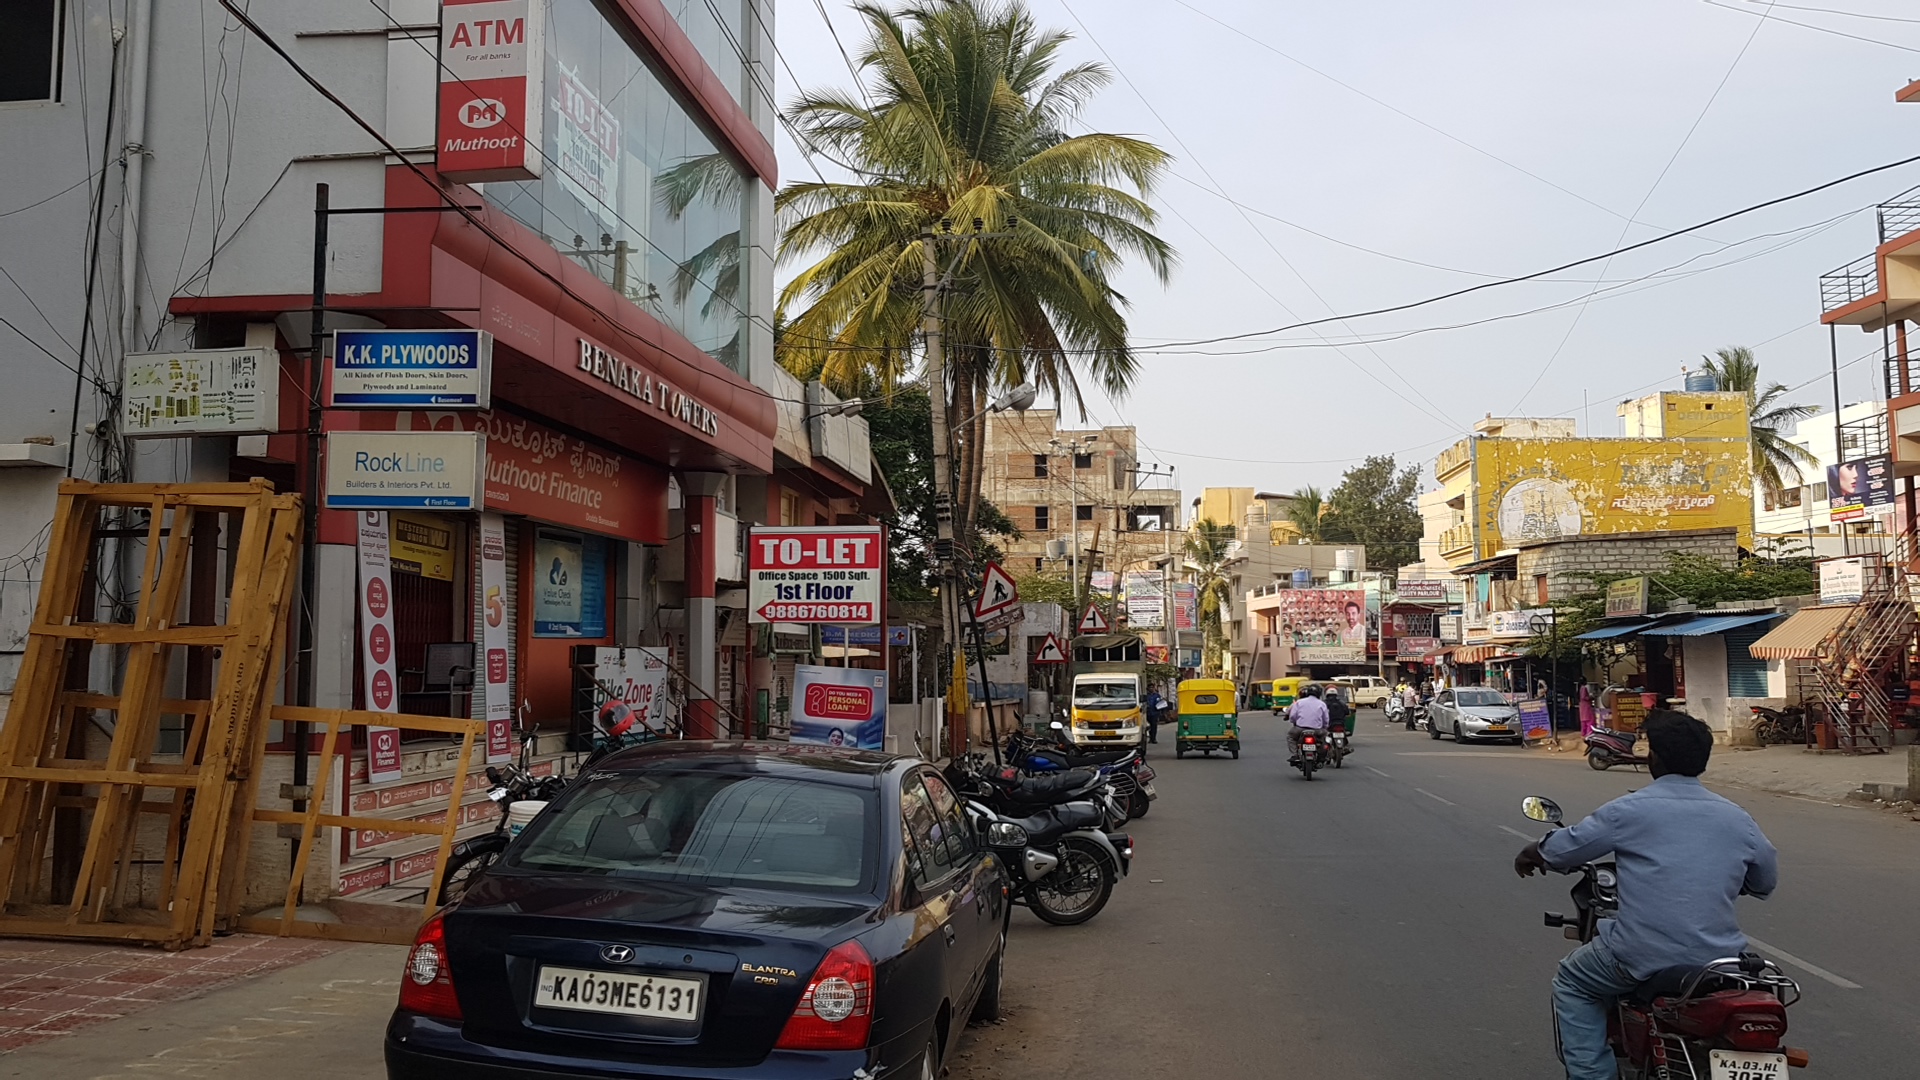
(930, 1061)
(1433, 729)
(987, 1009)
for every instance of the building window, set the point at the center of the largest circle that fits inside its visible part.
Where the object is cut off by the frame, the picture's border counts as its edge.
(1790, 497)
(30, 51)
(718, 31)
(634, 190)
(1540, 588)
(1040, 514)
(1083, 512)
(1083, 461)
(1039, 466)
(789, 508)
(1039, 564)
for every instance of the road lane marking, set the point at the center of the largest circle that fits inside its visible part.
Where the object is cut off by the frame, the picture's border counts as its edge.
(1518, 833)
(1377, 772)
(1811, 969)
(1434, 797)
(1516, 752)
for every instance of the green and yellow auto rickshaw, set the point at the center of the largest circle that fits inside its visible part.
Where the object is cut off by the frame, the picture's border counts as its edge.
(1284, 693)
(1208, 719)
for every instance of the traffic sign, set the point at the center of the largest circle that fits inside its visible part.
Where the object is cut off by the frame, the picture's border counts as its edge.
(1093, 622)
(1050, 652)
(997, 592)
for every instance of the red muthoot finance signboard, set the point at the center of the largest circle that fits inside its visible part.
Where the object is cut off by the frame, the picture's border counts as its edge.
(822, 574)
(492, 67)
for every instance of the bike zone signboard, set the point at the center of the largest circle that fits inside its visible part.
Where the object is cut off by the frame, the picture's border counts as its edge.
(832, 574)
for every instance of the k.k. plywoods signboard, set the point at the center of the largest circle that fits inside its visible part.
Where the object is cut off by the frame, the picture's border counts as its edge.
(411, 369)
(404, 470)
(492, 62)
(821, 574)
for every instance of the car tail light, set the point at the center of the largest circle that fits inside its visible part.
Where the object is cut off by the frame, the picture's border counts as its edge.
(1754, 1030)
(836, 1010)
(427, 985)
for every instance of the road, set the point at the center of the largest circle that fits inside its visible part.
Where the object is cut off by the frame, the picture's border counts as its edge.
(1369, 924)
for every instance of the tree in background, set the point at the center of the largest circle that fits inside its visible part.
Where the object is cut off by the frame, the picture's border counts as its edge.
(1374, 505)
(1305, 510)
(964, 119)
(902, 440)
(1776, 460)
(1208, 548)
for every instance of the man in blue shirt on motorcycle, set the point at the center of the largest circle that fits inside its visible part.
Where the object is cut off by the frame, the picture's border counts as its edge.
(1682, 855)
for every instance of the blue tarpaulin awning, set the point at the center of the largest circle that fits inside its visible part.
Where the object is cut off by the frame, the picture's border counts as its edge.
(1611, 632)
(1710, 624)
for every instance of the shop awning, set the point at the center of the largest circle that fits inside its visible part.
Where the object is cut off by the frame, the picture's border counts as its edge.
(1474, 654)
(1710, 624)
(1612, 631)
(1800, 637)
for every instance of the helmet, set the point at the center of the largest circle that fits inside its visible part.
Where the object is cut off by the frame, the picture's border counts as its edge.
(616, 718)
(1312, 690)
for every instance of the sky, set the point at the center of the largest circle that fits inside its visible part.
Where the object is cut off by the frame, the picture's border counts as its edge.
(1331, 159)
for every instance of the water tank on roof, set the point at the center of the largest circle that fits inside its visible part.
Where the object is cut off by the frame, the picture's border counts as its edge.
(1303, 578)
(1256, 518)
(1701, 381)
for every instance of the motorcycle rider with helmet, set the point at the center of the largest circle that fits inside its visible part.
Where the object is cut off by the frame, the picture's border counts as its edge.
(1307, 714)
(1683, 856)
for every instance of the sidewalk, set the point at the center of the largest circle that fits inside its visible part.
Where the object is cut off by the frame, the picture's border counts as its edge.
(1789, 770)
(311, 1012)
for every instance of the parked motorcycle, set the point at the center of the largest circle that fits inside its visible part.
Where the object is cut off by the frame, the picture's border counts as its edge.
(1772, 726)
(1063, 865)
(1393, 709)
(1011, 791)
(1721, 1021)
(1607, 748)
(1127, 770)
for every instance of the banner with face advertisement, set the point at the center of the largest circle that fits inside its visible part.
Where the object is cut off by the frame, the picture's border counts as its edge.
(839, 706)
(1325, 626)
(1860, 487)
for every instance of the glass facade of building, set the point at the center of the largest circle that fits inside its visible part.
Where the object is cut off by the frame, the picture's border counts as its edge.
(718, 29)
(633, 187)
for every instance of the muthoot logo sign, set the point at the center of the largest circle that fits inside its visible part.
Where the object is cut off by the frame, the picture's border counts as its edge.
(483, 112)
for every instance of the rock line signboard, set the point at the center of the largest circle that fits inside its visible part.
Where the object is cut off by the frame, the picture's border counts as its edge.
(818, 574)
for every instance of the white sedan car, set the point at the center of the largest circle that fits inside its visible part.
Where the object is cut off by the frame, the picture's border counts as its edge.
(1473, 712)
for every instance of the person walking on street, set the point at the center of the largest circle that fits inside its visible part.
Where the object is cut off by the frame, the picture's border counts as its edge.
(1154, 704)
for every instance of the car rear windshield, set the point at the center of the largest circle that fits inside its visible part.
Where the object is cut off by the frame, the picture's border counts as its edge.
(709, 828)
(1106, 695)
(1479, 697)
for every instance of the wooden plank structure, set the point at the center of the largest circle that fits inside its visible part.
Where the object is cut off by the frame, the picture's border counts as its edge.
(96, 887)
(314, 818)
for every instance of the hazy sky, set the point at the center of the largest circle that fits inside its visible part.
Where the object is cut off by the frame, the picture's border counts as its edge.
(1481, 138)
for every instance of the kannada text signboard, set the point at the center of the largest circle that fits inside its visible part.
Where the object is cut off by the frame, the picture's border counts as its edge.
(1625, 597)
(816, 574)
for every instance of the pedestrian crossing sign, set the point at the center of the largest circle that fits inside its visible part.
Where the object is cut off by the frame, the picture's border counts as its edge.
(997, 593)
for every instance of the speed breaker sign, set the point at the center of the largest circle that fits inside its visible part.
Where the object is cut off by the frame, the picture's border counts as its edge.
(819, 574)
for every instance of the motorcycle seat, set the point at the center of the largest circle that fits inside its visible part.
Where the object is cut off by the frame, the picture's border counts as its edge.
(1046, 786)
(1056, 821)
(1673, 981)
(1090, 757)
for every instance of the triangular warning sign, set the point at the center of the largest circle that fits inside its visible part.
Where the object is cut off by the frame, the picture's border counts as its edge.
(997, 592)
(1050, 652)
(1093, 622)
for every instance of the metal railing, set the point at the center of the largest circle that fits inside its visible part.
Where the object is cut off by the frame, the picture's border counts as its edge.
(1856, 280)
(1897, 218)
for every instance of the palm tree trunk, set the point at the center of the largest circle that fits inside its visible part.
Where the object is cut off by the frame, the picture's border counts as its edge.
(958, 412)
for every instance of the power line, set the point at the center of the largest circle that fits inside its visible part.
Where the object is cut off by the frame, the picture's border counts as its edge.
(1814, 26)
(1841, 11)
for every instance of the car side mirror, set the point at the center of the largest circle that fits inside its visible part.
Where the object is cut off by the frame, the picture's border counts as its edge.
(1540, 808)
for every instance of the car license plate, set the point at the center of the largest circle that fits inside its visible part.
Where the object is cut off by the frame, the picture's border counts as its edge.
(618, 992)
(1497, 727)
(1742, 1065)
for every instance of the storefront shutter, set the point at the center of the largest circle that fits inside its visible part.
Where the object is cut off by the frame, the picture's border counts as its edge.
(513, 613)
(1746, 676)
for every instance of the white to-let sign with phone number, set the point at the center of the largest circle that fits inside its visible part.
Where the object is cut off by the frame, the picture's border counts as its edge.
(819, 574)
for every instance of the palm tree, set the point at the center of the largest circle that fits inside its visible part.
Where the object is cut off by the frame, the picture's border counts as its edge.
(1776, 460)
(960, 128)
(1208, 548)
(1305, 510)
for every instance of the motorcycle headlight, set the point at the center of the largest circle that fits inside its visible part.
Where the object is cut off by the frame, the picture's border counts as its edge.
(1006, 834)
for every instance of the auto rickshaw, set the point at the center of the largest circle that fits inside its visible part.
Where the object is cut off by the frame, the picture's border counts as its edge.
(1284, 693)
(1208, 719)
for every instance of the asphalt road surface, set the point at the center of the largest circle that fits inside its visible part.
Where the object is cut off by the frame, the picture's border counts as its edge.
(1369, 924)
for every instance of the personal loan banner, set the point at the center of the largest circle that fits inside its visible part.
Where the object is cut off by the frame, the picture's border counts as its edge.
(839, 706)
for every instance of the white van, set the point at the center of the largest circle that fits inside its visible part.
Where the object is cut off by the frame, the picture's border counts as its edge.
(1364, 690)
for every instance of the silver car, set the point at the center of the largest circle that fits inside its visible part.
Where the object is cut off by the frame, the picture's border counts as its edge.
(1473, 712)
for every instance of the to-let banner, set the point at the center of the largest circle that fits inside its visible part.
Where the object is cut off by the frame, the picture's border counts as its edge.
(495, 663)
(492, 68)
(819, 574)
(379, 683)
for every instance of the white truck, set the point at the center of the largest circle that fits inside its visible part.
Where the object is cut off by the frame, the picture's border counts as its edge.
(1107, 709)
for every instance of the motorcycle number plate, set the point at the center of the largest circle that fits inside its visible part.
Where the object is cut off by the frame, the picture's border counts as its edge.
(1148, 788)
(1746, 1065)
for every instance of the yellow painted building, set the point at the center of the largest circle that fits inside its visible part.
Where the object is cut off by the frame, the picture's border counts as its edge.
(1685, 463)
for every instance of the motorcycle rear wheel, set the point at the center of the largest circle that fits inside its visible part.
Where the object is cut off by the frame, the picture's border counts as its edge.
(1598, 761)
(1139, 805)
(467, 863)
(1076, 890)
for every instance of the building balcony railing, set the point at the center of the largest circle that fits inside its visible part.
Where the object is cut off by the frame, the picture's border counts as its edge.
(1897, 218)
(1457, 539)
(1855, 281)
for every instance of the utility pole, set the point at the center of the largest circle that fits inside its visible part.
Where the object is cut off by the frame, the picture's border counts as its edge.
(1839, 440)
(932, 334)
